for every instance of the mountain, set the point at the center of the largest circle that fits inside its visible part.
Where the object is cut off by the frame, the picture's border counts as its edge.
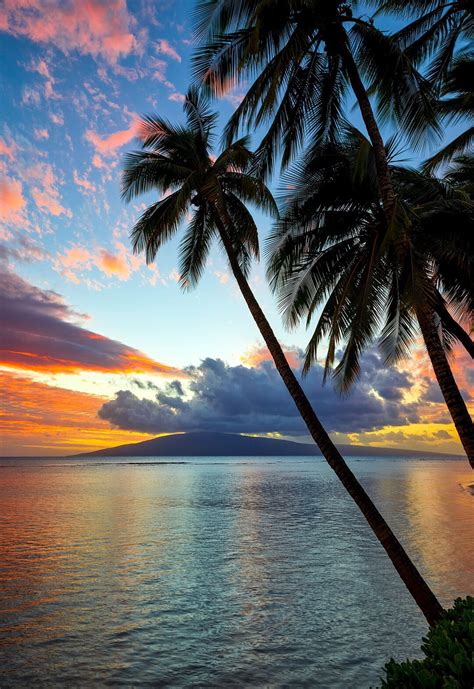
(204, 444)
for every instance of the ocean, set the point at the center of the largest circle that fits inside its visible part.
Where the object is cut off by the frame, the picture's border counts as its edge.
(219, 572)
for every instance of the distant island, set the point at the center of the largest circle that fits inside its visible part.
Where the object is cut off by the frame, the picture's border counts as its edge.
(206, 444)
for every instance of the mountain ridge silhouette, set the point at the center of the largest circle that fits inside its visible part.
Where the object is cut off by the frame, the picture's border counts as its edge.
(209, 444)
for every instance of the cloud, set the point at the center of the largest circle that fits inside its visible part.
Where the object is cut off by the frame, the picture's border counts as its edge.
(162, 46)
(8, 150)
(26, 249)
(159, 72)
(42, 68)
(30, 96)
(44, 419)
(57, 118)
(77, 259)
(41, 133)
(113, 264)
(44, 190)
(38, 334)
(177, 97)
(254, 400)
(101, 28)
(12, 201)
(82, 182)
(108, 145)
(257, 355)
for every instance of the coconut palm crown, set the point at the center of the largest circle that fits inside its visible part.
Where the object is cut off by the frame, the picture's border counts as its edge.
(301, 58)
(436, 38)
(333, 255)
(177, 162)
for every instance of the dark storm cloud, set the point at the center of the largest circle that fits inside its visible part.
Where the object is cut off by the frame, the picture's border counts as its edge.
(241, 399)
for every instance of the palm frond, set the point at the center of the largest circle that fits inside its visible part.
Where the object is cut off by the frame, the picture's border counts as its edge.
(199, 116)
(250, 189)
(459, 145)
(195, 246)
(159, 223)
(403, 94)
(146, 171)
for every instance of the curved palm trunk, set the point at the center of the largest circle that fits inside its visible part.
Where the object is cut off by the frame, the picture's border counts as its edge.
(410, 576)
(454, 401)
(455, 329)
(452, 396)
(387, 192)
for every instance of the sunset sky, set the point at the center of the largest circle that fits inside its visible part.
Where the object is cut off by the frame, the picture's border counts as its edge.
(97, 348)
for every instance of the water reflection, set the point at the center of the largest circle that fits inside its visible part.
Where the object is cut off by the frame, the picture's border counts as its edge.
(218, 574)
(440, 512)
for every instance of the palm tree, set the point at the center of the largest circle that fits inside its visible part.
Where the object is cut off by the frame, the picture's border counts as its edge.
(333, 250)
(302, 56)
(456, 103)
(179, 159)
(305, 58)
(437, 34)
(436, 30)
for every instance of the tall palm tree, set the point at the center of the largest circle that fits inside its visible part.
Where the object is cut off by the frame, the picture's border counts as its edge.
(456, 103)
(333, 250)
(435, 32)
(179, 159)
(437, 35)
(302, 57)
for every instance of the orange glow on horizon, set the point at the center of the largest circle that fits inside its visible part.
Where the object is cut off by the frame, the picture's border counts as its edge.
(39, 419)
(128, 362)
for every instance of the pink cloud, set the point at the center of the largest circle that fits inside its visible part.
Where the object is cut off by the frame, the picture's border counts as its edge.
(222, 277)
(41, 134)
(83, 182)
(113, 265)
(50, 203)
(30, 96)
(177, 97)
(44, 190)
(8, 150)
(159, 74)
(42, 68)
(163, 47)
(255, 356)
(101, 28)
(75, 256)
(107, 145)
(119, 263)
(98, 162)
(12, 200)
(56, 118)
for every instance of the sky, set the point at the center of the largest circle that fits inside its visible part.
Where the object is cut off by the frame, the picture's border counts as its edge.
(97, 348)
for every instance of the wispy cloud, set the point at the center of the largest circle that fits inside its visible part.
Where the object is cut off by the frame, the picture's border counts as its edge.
(44, 190)
(119, 263)
(107, 146)
(96, 27)
(165, 48)
(12, 200)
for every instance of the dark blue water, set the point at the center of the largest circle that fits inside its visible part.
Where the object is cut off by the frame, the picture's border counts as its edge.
(219, 572)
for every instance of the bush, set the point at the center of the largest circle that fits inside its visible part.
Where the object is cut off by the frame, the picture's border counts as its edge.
(448, 649)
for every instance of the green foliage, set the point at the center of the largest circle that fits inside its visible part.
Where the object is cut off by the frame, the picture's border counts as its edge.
(448, 649)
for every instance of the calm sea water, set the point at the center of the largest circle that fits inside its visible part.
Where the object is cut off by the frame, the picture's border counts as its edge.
(219, 572)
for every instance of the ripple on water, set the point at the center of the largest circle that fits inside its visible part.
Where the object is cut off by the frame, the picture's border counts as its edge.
(224, 573)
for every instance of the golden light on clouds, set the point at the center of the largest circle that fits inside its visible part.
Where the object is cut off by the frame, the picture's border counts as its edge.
(41, 419)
